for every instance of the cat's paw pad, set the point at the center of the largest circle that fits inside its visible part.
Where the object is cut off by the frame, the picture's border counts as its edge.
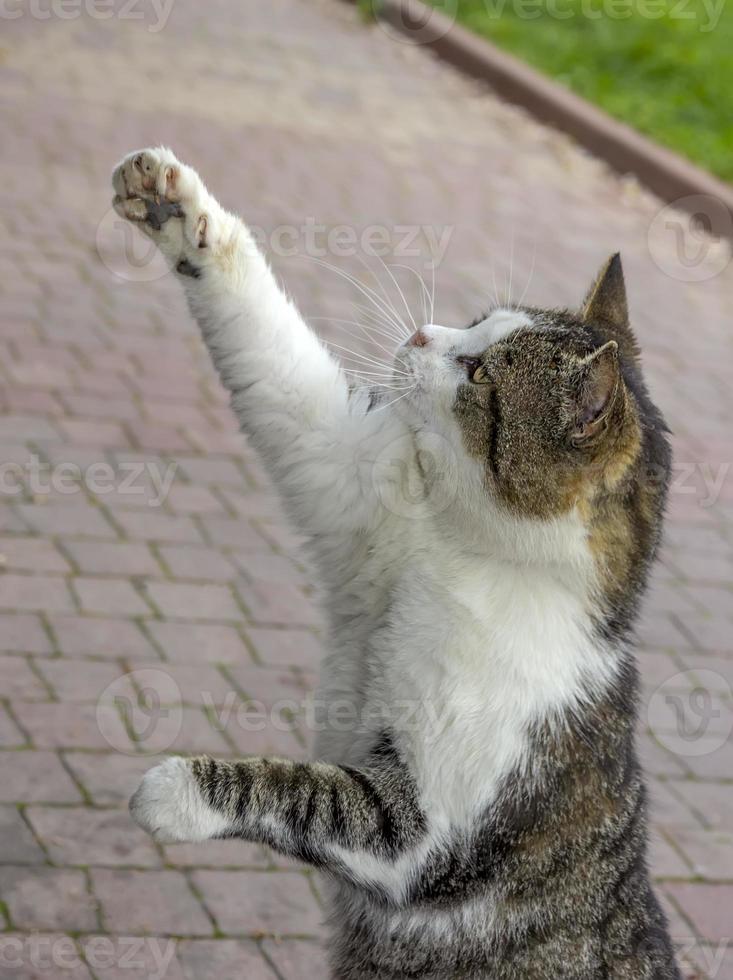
(152, 186)
(169, 806)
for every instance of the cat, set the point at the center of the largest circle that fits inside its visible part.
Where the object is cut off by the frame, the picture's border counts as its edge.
(483, 813)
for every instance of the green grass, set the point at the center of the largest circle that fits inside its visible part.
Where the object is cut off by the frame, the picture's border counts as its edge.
(669, 76)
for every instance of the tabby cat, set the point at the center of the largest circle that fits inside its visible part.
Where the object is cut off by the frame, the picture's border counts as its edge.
(483, 813)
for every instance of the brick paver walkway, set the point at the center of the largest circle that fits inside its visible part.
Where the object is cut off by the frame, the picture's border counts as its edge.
(117, 581)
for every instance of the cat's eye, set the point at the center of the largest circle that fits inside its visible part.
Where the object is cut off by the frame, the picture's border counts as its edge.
(475, 370)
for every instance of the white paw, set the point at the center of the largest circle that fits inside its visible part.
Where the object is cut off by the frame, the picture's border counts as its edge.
(169, 202)
(169, 806)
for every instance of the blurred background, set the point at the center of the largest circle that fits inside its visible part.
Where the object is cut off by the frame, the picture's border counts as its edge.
(152, 598)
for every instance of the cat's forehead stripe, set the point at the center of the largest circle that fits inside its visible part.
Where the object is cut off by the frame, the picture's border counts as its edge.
(502, 323)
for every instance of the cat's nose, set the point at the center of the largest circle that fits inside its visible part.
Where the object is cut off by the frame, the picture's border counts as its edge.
(418, 339)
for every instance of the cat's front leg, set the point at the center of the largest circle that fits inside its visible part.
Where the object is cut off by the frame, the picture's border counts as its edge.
(358, 823)
(290, 395)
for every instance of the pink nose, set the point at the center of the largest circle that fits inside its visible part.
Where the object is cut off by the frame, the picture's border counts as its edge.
(418, 339)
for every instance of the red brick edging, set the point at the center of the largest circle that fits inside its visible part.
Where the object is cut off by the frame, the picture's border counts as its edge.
(670, 176)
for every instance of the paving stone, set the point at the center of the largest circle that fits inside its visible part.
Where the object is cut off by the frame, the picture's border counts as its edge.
(260, 902)
(180, 600)
(17, 680)
(182, 729)
(158, 902)
(31, 555)
(712, 801)
(83, 680)
(664, 860)
(88, 433)
(35, 777)
(110, 597)
(200, 643)
(101, 637)
(707, 905)
(217, 854)
(82, 836)
(132, 957)
(283, 647)
(10, 734)
(712, 759)
(17, 843)
(712, 634)
(225, 959)
(277, 602)
(109, 779)
(297, 959)
(87, 726)
(121, 558)
(155, 526)
(227, 532)
(666, 807)
(67, 519)
(35, 592)
(211, 471)
(204, 564)
(22, 633)
(269, 686)
(709, 852)
(191, 499)
(48, 898)
(199, 685)
(40, 955)
(273, 568)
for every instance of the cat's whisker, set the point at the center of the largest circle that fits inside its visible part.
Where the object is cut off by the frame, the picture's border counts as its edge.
(496, 298)
(379, 322)
(371, 360)
(399, 290)
(366, 358)
(395, 400)
(531, 274)
(369, 383)
(424, 290)
(366, 291)
(511, 272)
(404, 329)
(377, 376)
(366, 329)
(374, 330)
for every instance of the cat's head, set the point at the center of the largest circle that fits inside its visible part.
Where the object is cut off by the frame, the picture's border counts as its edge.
(547, 406)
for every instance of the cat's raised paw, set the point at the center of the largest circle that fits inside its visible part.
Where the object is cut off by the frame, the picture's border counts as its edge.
(169, 806)
(152, 187)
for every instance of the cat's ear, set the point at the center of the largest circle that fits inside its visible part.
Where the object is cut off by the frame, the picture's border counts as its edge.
(606, 305)
(597, 380)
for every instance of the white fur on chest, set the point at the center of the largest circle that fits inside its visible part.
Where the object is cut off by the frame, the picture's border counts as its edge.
(470, 654)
